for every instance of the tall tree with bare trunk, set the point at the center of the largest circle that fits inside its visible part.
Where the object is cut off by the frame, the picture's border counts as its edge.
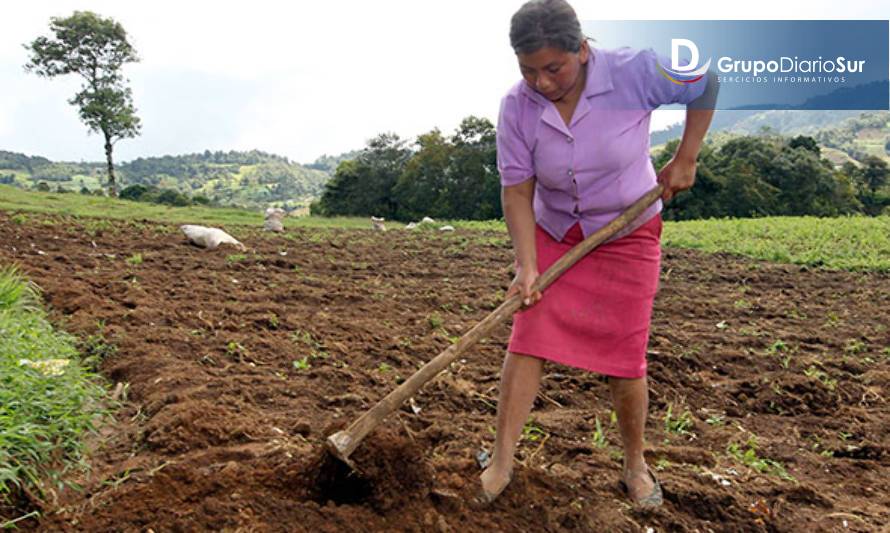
(95, 48)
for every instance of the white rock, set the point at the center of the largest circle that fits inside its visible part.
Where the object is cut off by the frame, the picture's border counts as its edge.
(446, 228)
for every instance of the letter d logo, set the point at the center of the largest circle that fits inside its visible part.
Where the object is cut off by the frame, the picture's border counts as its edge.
(675, 55)
(681, 74)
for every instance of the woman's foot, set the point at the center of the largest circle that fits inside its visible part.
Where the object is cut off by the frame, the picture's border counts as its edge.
(641, 487)
(493, 480)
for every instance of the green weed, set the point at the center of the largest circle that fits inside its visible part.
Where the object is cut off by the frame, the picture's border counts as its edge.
(304, 338)
(96, 348)
(680, 424)
(435, 320)
(599, 435)
(235, 350)
(716, 420)
(746, 454)
(855, 346)
(820, 375)
(532, 432)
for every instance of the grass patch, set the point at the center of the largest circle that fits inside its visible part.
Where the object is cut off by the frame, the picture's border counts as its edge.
(20, 200)
(48, 399)
(15, 199)
(842, 243)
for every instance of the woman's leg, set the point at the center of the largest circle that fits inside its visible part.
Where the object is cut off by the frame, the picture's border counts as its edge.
(520, 379)
(631, 398)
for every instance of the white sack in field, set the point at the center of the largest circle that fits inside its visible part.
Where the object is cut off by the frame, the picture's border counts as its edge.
(377, 224)
(209, 238)
(273, 219)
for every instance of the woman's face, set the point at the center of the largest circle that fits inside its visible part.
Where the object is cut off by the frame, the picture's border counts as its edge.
(553, 72)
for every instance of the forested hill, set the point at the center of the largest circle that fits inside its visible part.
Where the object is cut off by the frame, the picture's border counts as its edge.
(248, 179)
(328, 163)
(847, 135)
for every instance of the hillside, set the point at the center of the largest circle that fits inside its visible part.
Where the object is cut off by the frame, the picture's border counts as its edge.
(243, 179)
(845, 135)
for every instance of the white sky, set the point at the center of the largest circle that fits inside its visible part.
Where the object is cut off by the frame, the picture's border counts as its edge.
(303, 78)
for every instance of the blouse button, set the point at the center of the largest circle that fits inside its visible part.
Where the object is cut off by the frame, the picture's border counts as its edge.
(569, 139)
(571, 172)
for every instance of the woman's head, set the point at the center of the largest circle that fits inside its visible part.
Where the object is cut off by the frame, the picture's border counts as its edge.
(550, 47)
(545, 23)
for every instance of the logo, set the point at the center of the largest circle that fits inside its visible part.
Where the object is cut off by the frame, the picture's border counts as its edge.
(684, 74)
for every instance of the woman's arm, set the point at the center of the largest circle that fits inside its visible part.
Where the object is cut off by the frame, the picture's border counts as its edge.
(518, 202)
(679, 173)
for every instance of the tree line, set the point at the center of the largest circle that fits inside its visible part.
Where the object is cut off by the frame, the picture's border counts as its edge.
(771, 175)
(455, 177)
(438, 176)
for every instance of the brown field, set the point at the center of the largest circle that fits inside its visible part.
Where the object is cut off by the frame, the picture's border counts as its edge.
(220, 430)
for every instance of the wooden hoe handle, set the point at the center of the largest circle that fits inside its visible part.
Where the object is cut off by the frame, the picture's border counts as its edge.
(343, 443)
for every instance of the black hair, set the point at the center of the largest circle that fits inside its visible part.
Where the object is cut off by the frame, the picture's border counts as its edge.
(542, 23)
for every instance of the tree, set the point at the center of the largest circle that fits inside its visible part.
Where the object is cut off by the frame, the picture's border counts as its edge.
(363, 186)
(421, 188)
(745, 194)
(805, 142)
(95, 48)
(871, 178)
(474, 188)
(875, 173)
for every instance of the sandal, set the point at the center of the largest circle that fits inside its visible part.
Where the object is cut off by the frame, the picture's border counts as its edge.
(484, 498)
(653, 500)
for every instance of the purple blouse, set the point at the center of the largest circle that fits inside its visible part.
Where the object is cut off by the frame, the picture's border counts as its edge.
(593, 169)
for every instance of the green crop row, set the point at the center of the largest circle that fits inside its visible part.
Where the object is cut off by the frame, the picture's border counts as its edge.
(48, 398)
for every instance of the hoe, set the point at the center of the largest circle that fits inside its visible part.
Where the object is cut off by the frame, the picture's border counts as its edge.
(343, 443)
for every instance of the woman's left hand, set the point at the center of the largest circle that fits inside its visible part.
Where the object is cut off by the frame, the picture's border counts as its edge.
(677, 175)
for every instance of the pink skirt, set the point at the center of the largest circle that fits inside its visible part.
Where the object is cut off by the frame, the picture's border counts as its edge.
(596, 315)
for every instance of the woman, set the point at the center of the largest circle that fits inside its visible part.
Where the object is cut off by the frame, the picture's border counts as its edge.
(573, 153)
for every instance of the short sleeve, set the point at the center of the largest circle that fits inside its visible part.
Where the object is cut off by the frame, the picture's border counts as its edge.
(514, 156)
(660, 90)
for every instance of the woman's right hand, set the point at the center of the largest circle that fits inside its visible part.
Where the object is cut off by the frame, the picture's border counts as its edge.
(522, 283)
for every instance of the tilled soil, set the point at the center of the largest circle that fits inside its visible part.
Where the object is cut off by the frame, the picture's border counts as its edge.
(238, 367)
